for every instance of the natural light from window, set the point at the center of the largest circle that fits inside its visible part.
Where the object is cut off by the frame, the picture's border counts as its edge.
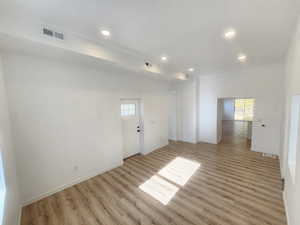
(244, 109)
(128, 109)
(159, 189)
(294, 135)
(2, 190)
(169, 179)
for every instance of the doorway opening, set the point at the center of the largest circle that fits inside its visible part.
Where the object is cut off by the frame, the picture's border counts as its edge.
(235, 119)
(172, 117)
(132, 127)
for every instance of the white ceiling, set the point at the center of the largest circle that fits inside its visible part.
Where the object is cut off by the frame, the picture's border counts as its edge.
(189, 31)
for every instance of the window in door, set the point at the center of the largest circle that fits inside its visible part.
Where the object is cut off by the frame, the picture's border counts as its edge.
(244, 109)
(128, 109)
(294, 135)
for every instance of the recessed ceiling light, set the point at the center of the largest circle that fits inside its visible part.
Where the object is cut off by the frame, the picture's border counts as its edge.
(191, 69)
(230, 34)
(164, 58)
(105, 33)
(242, 57)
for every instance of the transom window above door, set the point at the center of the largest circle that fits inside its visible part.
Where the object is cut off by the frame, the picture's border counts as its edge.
(128, 109)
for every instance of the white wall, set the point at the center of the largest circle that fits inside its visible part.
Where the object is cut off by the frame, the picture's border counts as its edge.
(12, 203)
(228, 109)
(292, 87)
(220, 119)
(186, 110)
(66, 115)
(264, 83)
(173, 115)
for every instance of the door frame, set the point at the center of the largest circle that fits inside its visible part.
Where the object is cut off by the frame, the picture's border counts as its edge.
(141, 122)
(173, 96)
(220, 110)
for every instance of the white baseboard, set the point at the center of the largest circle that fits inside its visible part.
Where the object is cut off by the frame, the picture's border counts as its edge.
(189, 141)
(67, 185)
(206, 141)
(157, 147)
(262, 151)
(78, 180)
(286, 207)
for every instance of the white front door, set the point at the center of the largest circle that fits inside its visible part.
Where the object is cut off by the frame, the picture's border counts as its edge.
(131, 127)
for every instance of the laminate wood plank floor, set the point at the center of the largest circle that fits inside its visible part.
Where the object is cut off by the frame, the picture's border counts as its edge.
(235, 134)
(180, 184)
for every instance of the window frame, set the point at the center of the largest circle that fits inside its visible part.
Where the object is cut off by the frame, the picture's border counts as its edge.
(246, 115)
(128, 109)
(294, 136)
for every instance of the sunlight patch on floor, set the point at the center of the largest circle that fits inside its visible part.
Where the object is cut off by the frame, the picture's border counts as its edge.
(161, 186)
(179, 170)
(159, 189)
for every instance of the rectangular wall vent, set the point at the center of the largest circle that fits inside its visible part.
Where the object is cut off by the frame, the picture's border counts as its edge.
(47, 32)
(53, 34)
(59, 35)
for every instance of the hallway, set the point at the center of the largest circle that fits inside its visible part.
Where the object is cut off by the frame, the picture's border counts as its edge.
(235, 134)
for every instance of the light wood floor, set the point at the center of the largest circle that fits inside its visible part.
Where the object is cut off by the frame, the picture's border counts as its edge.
(231, 187)
(235, 134)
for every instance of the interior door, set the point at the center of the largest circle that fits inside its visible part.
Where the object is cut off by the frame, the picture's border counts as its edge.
(131, 127)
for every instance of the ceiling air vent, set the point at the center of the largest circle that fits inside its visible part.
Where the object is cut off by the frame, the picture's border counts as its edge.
(47, 32)
(53, 34)
(59, 35)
